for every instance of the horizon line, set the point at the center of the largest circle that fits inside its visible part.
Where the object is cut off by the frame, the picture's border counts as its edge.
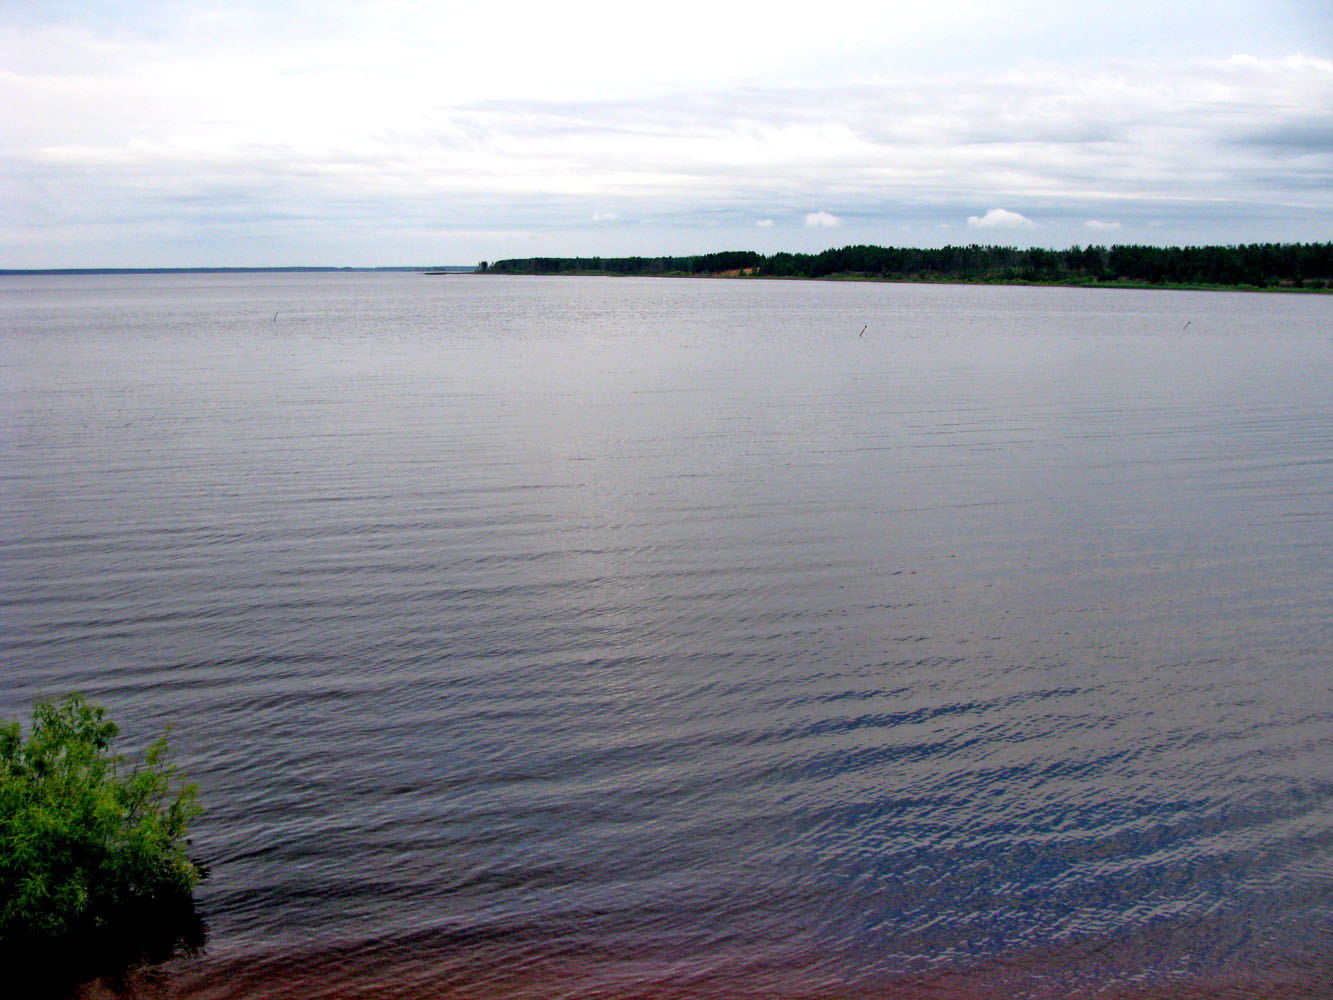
(297, 268)
(243, 269)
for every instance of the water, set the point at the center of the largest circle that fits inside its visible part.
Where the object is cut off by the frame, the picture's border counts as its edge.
(653, 638)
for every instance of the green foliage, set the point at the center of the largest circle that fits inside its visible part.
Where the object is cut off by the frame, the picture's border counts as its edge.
(700, 264)
(92, 852)
(1259, 265)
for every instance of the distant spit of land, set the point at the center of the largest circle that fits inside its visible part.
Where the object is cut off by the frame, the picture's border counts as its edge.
(1287, 266)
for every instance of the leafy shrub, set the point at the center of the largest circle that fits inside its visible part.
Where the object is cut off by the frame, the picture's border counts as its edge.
(93, 866)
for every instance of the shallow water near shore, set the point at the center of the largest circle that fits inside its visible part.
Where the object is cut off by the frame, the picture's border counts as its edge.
(666, 638)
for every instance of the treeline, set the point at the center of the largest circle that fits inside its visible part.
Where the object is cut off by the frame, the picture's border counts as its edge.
(1255, 265)
(706, 264)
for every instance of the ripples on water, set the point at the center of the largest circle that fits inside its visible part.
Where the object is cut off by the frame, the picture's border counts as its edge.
(665, 638)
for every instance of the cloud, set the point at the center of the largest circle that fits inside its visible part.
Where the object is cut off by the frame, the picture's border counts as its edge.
(1309, 135)
(821, 220)
(999, 218)
(241, 126)
(1100, 226)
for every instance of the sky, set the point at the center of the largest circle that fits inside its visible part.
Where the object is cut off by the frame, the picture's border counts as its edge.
(193, 133)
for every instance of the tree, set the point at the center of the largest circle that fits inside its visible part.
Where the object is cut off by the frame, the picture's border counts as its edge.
(93, 865)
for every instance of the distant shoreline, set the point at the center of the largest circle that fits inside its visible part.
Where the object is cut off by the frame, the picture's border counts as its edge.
(1252, 267)
(1256, 267)
(590, 273)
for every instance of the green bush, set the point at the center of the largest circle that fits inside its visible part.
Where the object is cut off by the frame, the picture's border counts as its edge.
(93, 862)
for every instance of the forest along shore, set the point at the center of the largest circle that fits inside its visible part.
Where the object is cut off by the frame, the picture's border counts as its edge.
(1269, 266)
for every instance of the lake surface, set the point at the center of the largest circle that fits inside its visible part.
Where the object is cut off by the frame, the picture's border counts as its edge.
(580, 637)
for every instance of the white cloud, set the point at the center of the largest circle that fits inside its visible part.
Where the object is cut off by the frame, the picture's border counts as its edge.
(1100, 226)
(821, 220)
(999, 218)
(233, 125)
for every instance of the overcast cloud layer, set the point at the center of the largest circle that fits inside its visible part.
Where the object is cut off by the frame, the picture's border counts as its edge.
(194, 133)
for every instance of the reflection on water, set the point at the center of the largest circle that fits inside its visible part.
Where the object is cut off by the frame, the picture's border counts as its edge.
(666, 638)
